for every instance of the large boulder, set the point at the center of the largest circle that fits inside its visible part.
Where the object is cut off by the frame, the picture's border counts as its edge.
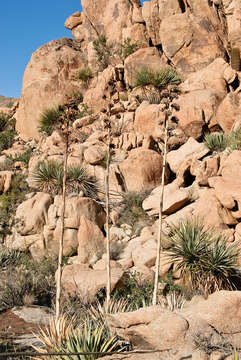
(142, 170)
(48, 78)
(177, 333)
(81, 280)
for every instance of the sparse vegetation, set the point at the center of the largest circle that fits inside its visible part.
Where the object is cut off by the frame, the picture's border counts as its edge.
(220, 141)
(22, 157)
(207, 262)
(24, 281)
(48, 120)
(7, 132)
(131, 211)
(10, 200)
(159, 78)
(85, 75)
(104, 51)
(127, 48)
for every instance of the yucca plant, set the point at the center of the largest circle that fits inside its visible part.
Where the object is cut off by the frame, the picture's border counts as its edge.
(164, 77)
(159, 78)
(235, 140)
(207, 262)
(48, 176)
(55, 334)
(89, 339)
(216, 142)
(79, 180)
(48, 120)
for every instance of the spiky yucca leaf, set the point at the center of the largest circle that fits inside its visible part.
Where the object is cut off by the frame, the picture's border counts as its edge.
(91, 338)
(164, 77)
(55, 334)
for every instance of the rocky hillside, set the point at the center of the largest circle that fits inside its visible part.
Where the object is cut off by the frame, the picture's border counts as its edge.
(131, 68)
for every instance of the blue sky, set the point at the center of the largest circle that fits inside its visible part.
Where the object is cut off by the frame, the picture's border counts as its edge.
(25, 26)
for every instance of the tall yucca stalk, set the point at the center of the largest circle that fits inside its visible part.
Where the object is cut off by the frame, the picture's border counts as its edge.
(159, 246)
(60, 257)
(168, 96)
(107, 196)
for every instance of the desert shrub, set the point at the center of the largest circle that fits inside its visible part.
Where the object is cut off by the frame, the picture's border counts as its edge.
(7, 139)
(127, 48)
(103, 51)
(23, 157)
(137, 292)
(131, 211)
(10, 104)
(10, 200)
(48, 177)
(3, 121)
(85, 74)
(207, 262)
(25, 281)
(159, 78)
(216, 142)
(83, 111)
(11, 257)
(48, 120)
(234, 138)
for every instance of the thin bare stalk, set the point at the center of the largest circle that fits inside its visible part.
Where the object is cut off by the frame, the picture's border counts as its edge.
(159, 238)
(60, 257)
(107, 193)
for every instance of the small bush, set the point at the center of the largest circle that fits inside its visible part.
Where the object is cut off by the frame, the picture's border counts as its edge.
(159, 78)
(48, 120)
(23, 157)
(207, 262)
(10, 200)
(137, 292)
(7, 139)
(127, 48)
(3, 121)
(103, 51)
(131, 211)
(216, 142)
(24, 280)
(85, 74)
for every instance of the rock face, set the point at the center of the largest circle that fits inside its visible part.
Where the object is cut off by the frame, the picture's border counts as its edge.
(180, 331)
(48, 78)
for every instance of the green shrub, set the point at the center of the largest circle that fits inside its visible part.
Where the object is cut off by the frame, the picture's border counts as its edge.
(159, 78)
(216, 142)
(85, 74)
(7, 139)
(103, 51)
(48, 177)
(234, 140)
(136, 291)
(207, 262)
(3, 121)
(131, 211)
(23, 157)
(10, 200)
(127, 48)
(48, 120)
(25, 280)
